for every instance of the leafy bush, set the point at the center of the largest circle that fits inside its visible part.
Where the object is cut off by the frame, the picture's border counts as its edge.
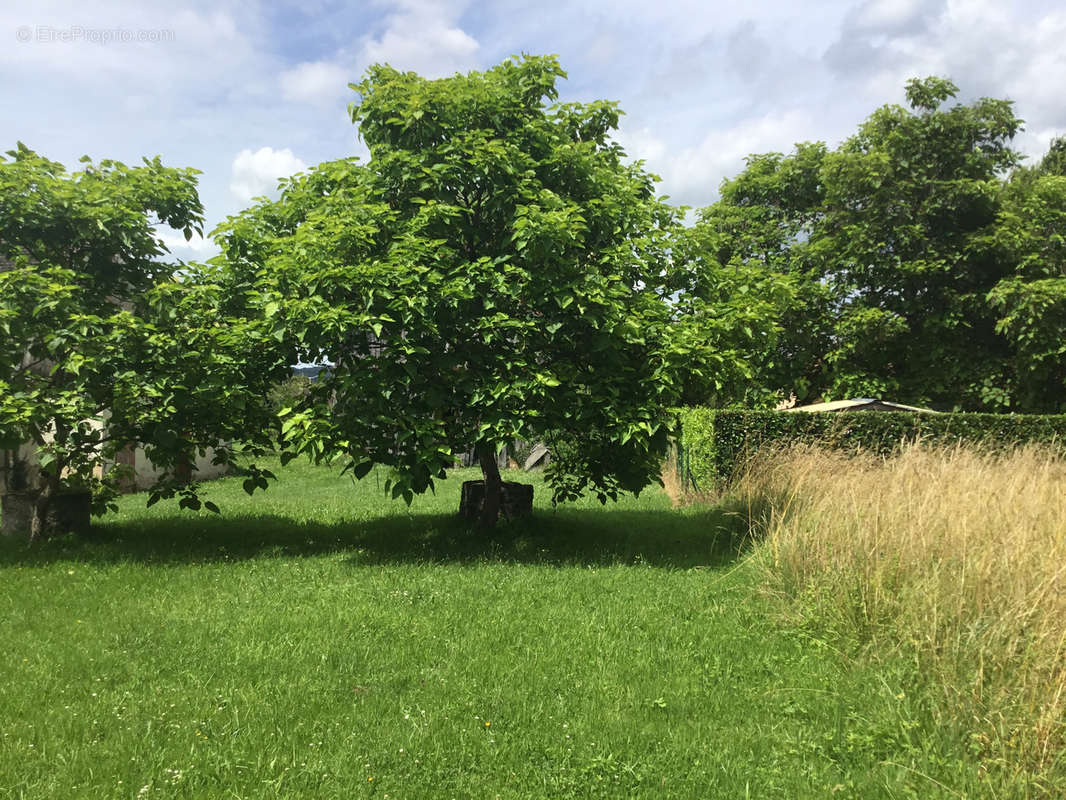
(714, 443)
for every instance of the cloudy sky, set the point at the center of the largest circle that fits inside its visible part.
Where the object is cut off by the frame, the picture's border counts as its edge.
(247, 91)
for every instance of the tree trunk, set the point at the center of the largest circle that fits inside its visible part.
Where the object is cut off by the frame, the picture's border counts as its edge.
(490, 508)
(42, 506)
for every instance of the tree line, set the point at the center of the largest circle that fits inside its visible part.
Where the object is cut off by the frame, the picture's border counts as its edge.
(500, 269)
(920, 260)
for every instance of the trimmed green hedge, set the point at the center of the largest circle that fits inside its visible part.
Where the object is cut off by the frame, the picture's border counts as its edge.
(712, 443)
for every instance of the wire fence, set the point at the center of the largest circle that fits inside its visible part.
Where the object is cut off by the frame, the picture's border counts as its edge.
(684, 469)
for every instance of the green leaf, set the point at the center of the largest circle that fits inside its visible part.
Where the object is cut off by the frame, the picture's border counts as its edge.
(189, 502)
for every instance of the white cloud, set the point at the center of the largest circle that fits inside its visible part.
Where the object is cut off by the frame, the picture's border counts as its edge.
(176, 239)
(421, 36)
(642, 144)
(1039, 84)
(424, 37)
(692, 174)
(703, 84)
(125, 45)
(894, 15)
(319, 82)
(256, 174)
(986, 47)
(195, 249)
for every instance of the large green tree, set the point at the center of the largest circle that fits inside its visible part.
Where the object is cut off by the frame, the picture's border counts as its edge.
(496, 270)
(104, 344)
(888, 237)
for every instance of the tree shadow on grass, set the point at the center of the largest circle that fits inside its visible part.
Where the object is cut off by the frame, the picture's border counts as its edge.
(578, 537)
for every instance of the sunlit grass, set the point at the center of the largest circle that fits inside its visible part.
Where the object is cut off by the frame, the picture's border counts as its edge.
(320, 642)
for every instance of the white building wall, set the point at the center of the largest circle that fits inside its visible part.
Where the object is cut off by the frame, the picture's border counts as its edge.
(146, 473)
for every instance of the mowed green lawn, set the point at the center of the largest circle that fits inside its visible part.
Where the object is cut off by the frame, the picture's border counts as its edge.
(318, 641)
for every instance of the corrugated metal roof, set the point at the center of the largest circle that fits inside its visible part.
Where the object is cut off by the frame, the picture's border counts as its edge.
(861, 404)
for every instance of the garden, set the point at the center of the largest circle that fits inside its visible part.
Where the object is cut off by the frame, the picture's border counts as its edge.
(710, 596)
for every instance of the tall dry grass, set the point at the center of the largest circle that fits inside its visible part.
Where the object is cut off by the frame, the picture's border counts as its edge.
(956, 558)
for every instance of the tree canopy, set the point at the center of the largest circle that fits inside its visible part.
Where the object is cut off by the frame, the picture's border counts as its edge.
(918, 272)
(495, 271)
(1029, 300)
(499, 269)
(102, 343)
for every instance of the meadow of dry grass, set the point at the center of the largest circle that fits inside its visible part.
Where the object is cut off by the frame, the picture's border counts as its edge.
(952, 559)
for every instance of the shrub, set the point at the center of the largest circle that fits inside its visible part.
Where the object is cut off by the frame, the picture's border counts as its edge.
(715, 443)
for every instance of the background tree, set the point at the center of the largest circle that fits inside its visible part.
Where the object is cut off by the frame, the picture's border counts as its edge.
(742, 262)
(736, 311)
(888, 238)
(1030, 299)
(495, 271)
(94, 326)
(1054, 161)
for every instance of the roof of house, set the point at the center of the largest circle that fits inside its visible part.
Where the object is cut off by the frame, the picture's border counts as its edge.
(861, 404)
